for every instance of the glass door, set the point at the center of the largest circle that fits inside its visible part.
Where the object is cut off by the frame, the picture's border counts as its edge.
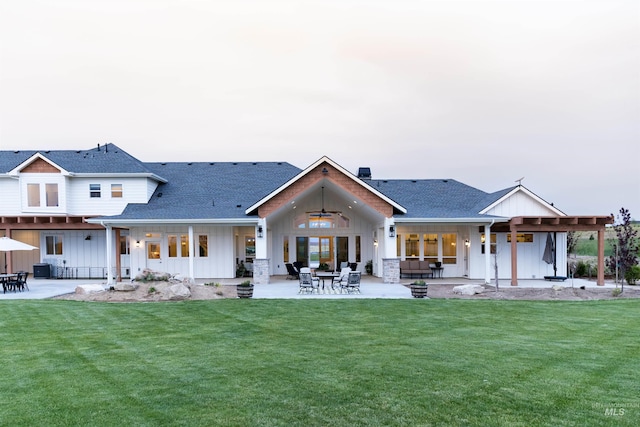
(321, 252)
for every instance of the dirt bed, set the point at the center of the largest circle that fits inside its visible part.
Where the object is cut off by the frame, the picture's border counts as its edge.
(560, 292)
(155, 292)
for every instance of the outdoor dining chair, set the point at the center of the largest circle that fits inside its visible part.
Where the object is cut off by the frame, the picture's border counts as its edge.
(308, 283)
(341, 281)
(353, 282)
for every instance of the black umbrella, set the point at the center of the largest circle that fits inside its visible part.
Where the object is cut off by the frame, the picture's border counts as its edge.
(549, 255)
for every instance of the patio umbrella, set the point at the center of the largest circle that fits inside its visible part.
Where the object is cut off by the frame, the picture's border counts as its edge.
(8, 245)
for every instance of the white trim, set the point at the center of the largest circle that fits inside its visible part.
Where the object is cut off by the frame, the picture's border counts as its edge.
(314, 165)
(138, 222)
(523, 189)
(15, 171)
(469, 221)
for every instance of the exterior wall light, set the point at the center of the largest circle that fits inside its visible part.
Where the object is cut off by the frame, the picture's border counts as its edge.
(392, 231)
(467, 243)
(260, 231)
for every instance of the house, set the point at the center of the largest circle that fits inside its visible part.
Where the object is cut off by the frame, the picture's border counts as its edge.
(103, 213)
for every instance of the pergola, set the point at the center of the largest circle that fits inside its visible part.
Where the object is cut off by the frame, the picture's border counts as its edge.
(561, 224)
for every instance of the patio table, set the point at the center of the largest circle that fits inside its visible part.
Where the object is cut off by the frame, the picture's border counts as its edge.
(323, 275)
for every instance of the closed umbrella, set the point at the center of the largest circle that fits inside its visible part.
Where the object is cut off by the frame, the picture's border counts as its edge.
(548, 250)
(549, 255)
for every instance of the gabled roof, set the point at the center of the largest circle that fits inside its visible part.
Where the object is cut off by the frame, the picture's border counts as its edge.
(102, 160)
(208, 191)
(325, 159)
(500, 196)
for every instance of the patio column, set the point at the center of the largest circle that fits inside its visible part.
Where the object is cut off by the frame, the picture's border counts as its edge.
(487, 254)
(109, 236)
(600, 280)
(192, 249)
(514, 257)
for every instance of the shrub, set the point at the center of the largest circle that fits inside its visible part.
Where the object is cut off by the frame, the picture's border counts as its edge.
(616, 292)
(581, 269)
(632, 275)
(245, 283)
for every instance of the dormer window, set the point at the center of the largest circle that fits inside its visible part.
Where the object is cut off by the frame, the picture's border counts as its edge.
(94, 190)
(34, 198)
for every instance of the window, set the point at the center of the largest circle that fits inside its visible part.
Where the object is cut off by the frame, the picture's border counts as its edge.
(430, 247)
(358, 250)
(33, 195)
(172, 241)
(315, 221)
(449, 249)
(124, 245)
(94, 190)
(249, 248)
(203, 246)
(521, 238)
(493, 243)
(51, 194)
(285, 248)
(116, 191)
(53, 245)
(411, 246)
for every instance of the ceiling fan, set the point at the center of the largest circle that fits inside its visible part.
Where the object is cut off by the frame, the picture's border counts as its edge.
(322, 213)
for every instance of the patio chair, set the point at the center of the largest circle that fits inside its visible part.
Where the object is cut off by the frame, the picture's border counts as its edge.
(341, 281)
(19, 283)
(353, 282)
(292, 271)
(307, 282)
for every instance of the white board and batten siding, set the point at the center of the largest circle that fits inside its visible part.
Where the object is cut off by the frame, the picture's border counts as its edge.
(220, 262)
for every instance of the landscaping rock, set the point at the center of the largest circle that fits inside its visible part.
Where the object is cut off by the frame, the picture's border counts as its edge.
(557, 288)
(125, 287)
(89, 289)
(177, 292)
(468, 289)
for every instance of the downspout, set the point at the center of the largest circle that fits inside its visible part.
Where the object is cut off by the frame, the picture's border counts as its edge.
(487, 253)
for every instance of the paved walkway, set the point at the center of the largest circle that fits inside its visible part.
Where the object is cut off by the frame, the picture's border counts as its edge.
(371, 287)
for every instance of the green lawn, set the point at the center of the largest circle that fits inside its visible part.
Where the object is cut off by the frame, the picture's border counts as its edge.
(320, 363)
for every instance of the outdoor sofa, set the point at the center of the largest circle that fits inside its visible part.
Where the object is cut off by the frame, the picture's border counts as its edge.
(414, 267)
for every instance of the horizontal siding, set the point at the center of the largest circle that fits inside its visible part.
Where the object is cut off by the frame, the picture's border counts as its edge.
(80, 202)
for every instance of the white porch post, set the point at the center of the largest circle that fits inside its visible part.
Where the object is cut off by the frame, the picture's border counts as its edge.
(109, 236)
(389, 238)
(192, 248)
(261, 238)
(261, 261)
(487, 253)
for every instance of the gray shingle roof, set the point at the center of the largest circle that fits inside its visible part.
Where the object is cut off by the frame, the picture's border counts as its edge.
(436, 198)
(210, 190)
(106, 159)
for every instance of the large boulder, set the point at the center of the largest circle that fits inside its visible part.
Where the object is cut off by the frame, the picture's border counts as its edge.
(89, 289)
(177, 292)
(125, 286)
(468, 289)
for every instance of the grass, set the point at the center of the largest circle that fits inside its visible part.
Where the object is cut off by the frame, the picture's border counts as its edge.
(319, 363)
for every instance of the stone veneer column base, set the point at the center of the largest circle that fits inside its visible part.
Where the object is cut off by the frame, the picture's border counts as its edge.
(391, 270)
(261, 271)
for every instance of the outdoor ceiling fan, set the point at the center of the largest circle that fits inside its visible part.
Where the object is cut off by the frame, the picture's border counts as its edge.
(323, 213)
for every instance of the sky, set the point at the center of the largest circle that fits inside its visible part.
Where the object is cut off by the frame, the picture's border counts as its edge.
(484, 92)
